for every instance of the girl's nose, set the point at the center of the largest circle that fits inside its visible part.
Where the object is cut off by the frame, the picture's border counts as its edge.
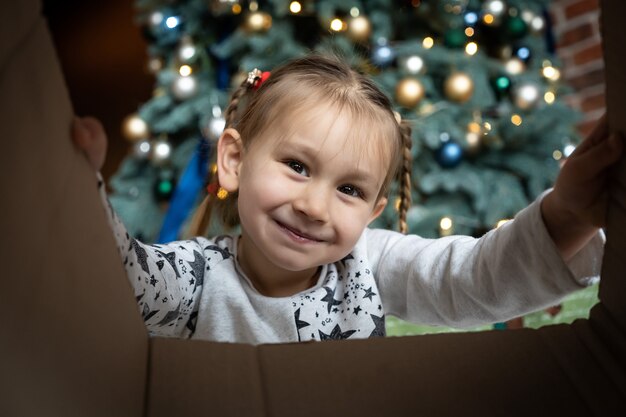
(313, 202)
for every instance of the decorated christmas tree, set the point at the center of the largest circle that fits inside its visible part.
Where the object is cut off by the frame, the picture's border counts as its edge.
(478, 81)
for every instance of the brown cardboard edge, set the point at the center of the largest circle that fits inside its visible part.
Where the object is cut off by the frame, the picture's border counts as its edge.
(69, 348)
(193, 378)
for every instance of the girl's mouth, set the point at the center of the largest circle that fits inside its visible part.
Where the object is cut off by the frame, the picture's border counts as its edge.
(297, 235)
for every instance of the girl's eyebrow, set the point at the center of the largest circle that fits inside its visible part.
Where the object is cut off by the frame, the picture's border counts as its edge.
(312, 152)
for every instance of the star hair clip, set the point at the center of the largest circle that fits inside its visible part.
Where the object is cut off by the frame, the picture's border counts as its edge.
(256, 78)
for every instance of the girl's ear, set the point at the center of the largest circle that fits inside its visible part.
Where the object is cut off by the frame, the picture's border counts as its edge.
(378, 208)
(229, 157)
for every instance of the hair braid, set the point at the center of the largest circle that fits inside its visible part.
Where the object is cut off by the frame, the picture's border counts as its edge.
(200, 222)
(404, 176)
(230, 114)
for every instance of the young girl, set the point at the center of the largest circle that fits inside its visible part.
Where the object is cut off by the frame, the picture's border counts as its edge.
(304, 166)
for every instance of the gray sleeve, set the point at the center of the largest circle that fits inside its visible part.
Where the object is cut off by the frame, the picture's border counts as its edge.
(460, 281)
(166, 279)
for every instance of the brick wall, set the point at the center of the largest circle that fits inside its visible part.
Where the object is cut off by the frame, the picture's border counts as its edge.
(577, 32)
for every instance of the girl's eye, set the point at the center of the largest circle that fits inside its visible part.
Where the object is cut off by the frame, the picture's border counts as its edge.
(351, 190)
(298, 167)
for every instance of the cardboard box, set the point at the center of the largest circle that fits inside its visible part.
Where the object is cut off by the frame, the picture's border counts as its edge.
(73, 343)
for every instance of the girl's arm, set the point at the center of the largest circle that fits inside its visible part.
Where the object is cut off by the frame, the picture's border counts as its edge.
(461, 282)
(166, 279)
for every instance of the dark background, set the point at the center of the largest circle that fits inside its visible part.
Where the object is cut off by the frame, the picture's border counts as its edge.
(103, 55)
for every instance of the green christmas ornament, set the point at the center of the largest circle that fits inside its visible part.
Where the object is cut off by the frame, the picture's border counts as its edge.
(455, 38)
(501, 85)
(515, 27)
(164, 186)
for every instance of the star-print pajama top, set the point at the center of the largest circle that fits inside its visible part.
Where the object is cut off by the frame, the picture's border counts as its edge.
(196, 288)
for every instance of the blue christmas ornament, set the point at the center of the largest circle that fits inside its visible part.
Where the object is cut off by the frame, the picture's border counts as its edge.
(449, 155)
(471, 18)
(383, 55)
(523, 53)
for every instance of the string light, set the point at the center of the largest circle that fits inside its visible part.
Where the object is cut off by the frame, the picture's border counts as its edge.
(162, 150)
(471, 48)
(172, 22)
(184, 70)
(337, 25)
(557, 155)
(551, 73)
(549, 97)
(568, 149)
(236, 8)
(501, 222)
(469, 32)
(254, 6)
(445, 226)
(488, 19)
(428, 42)
(295, 7)
(516, 119)
(354, 12)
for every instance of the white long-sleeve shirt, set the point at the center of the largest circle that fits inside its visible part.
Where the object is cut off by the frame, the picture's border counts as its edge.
(196, 288)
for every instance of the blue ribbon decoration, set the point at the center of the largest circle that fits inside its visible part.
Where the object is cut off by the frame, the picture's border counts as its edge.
(191, 182)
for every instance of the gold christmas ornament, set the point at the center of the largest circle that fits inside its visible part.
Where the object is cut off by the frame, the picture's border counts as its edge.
(258, 22)
(359, 29)
(135, 128)
(409, 92)
(459, 87)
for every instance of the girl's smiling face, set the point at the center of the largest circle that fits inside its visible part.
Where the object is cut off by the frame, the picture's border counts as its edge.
(306, 196)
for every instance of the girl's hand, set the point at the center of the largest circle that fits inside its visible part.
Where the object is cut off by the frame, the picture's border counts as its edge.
(577, 206)
(88, 135)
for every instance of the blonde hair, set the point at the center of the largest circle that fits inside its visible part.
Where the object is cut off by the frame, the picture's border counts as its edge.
(289, 87)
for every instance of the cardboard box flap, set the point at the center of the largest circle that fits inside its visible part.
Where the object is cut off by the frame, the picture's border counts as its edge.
(195, 378)
(24, 17)
(73, 343)
(613, 41)
(514, 373)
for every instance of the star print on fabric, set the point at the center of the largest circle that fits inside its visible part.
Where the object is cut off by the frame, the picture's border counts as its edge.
(160, 264)
(330, 298)
(358, 274)
(197, 266)
(171, 259)
(300, 323)
(336, 334)
(153, 280)
(225, 253)
(357, 310)
(379, 322)
(170, 316)
(191, 323)
(142, 256)
(368, 293)
(346, 294)
(148, 314)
